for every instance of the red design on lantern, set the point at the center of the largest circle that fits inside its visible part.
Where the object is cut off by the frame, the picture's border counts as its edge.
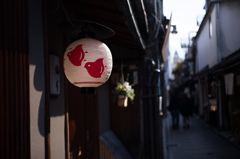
(95, 69)
(77, 55)
(87, 63)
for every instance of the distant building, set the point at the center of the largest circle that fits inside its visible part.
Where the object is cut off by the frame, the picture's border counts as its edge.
(176, 60)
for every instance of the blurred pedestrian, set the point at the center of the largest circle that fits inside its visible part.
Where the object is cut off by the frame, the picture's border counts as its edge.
(174, 107)
(186, 109)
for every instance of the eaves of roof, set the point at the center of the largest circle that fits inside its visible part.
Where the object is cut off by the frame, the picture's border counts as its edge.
(143, 19)
(228, 64)
(134, 13)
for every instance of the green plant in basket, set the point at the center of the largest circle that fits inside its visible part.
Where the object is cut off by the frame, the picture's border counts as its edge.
(125, 90)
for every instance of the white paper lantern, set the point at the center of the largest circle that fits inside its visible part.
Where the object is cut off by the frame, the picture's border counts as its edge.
(87, 63)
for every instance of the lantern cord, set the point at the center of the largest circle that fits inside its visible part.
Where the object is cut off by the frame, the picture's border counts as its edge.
(69, 20)
(122, 75)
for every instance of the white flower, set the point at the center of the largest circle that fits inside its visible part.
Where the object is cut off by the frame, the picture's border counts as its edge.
(128, 87)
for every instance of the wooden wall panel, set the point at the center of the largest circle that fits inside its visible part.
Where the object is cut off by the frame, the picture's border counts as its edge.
(83, 124)
(14, 80)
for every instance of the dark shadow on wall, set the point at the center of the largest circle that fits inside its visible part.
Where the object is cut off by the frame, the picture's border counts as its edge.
(36, 59)
(56, 103)
(39, 85)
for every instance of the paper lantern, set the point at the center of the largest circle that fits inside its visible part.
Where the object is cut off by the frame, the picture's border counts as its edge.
(87, 63)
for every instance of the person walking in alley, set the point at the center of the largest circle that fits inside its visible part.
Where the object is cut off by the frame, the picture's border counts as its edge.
(174, 107)
(186, 109)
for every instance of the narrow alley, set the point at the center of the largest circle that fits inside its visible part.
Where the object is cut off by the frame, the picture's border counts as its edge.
(197, 142)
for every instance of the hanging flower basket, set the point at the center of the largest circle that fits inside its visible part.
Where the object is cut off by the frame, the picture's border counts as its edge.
(122, 100)
(123, 92)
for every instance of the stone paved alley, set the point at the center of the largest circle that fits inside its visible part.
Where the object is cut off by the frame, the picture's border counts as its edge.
(198, 142)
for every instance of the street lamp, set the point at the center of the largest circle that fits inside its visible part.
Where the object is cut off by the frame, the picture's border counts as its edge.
(174, 31)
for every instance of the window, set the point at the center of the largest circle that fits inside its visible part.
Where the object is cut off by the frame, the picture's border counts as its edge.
(210, 27)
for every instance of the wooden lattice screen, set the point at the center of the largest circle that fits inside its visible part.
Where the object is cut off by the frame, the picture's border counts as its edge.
(14, 80)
